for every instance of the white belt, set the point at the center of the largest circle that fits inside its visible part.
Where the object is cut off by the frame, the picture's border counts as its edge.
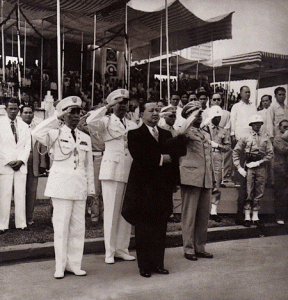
(97, 153)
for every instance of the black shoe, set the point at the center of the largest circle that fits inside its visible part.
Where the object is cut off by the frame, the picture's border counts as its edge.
(216, 218)
(247, 223)
(258, 224)
(191, 256)
(3, 231)
(204, 254)
(160, 271)
(145, 273)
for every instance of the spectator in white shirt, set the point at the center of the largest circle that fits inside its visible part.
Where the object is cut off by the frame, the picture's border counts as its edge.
(240, 116)
(277, 112)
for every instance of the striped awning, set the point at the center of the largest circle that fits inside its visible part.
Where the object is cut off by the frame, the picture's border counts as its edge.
(185, 29)
(270, 68)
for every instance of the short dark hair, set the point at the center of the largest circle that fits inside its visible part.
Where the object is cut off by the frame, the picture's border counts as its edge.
(23, 106)
(242, 87)
(282, 121)
(201, 94)
(12, 100)
(269, 96)
(279, 89)
(142, 106)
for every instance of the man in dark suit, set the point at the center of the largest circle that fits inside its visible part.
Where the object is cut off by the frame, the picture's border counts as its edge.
(148, 199)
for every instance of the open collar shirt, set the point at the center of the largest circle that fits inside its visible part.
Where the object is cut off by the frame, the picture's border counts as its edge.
(240, 117)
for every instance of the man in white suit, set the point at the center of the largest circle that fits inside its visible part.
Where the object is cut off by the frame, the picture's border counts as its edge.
(70, 182)
(114, 171)
(15, 144)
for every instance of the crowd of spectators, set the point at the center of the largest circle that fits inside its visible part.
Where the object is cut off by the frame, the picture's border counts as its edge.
(223, 148)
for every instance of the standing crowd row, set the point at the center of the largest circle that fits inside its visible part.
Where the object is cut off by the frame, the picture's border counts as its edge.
(135, 159)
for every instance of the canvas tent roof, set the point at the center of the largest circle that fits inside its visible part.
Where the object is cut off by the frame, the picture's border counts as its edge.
(271, 69)
(185, 29)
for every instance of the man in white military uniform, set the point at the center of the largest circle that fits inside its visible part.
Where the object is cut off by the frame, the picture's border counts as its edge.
(15, 144)
(114, 171)
(70, 182)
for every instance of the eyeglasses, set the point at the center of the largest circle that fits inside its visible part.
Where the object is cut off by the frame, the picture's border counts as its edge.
(216, 99)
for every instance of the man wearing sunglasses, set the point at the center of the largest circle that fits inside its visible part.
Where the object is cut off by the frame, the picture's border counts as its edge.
(114, 171)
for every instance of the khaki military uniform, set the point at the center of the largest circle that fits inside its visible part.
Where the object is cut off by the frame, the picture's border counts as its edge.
(256, 147)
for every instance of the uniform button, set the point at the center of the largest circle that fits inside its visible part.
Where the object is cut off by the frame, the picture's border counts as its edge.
(75, 161)
(125, 154)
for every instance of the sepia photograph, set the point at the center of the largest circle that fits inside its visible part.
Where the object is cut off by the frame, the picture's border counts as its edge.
(143, 150)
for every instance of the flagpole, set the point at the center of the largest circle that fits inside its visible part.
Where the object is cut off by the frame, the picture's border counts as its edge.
(19, 50)
(161, 45)
(167, 54)
(59, 51)
(2, 34)
(94, 59)
(81, 67)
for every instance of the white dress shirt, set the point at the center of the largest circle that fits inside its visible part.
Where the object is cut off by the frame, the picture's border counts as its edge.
(240, 118)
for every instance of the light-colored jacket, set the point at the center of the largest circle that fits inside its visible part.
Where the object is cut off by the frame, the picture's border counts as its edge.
(195, 166)
(71, 175)
(9, 150)
(116, 161)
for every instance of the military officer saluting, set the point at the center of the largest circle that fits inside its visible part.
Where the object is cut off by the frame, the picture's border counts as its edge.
(114, 171)
(257, 149)
(70, 182)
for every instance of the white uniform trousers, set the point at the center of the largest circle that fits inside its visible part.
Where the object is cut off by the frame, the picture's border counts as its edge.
(6, 185)
(116, 230)
(69, 233)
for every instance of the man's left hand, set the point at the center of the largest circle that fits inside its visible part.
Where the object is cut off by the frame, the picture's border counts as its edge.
(90, 200)
(253, 164)
(17, 165)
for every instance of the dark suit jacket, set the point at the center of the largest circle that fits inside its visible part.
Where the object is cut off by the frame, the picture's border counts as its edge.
(149, 189)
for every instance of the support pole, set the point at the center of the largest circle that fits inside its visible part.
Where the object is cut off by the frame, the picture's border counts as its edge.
(177, 71)
(94, 59)
(161, 45)
(126, 49)
(81, 66)
(63, 56)
(214, 76)
(25, 48)
(41, 66)
(167, 54)
(59, 51)
(2, 34)
(19, 50)
(148, 77)
(228, 92)
(12, 44)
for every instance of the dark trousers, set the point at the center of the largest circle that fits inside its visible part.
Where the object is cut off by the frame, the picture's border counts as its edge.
(242, 191)
(281, 196)
(150, 244)
(31, 191)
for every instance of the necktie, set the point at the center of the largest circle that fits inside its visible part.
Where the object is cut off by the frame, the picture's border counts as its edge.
(73, 134)
(155, 134)
(14, 131)
(122, 121)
